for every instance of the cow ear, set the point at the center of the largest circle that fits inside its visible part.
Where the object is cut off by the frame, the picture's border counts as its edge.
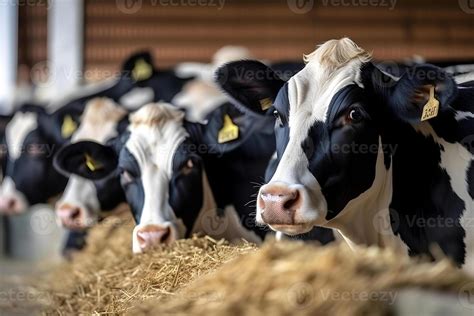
(250, 84)
(139, 66)
(86, 159)
(421, 93)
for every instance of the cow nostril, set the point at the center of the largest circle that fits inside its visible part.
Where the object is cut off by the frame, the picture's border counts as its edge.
(11, 203)
(165, 235)
(291, 201)
(76, 213)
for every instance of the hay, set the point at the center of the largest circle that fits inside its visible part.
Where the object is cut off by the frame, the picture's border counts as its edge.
(292, 278)
(107, 279)
(202, 276)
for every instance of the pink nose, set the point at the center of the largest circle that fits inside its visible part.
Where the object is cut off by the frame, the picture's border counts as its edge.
(154, 235)
(9, 205)
(278, 204)
(71, 217)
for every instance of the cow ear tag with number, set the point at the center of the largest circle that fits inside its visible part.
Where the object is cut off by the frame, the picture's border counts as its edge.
(91, 164)
(228, 132)
(266, 103)
(68, 127)
(431, 108)
(142, 70)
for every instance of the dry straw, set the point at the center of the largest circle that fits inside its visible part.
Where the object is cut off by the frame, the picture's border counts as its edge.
(199, 276)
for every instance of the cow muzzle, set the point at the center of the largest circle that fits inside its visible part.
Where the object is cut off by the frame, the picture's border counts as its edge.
(11, 205)
(279, 206)
(73, 217)
(153, 235)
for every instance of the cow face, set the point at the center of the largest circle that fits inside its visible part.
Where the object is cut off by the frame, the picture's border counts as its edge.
(333, 155)
(83, 199)
(32, 137)
(159, 173)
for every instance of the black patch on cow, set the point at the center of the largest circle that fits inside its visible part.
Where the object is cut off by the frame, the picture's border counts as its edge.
(249, 84)
(134, 192)
(342, 157)
(186, 192)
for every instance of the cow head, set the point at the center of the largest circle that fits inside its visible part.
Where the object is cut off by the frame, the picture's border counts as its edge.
(83, 199)
(32, 137)
(333, 136)
(159, 172)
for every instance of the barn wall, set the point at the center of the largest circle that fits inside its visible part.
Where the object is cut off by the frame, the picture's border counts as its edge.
(438, 30)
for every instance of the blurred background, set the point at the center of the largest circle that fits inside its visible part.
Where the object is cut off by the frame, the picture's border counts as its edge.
(86, 40)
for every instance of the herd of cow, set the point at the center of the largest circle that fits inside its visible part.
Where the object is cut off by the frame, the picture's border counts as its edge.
(337, 146)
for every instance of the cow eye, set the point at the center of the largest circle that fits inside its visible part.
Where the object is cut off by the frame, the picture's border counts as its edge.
(355, 115)
(278, 118)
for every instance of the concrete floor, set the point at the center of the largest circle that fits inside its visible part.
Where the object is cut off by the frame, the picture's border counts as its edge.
(32, 248)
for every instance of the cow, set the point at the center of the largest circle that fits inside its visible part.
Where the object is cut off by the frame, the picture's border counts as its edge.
(384, 161)
(164, 165)
(34, 134)
(83, 199)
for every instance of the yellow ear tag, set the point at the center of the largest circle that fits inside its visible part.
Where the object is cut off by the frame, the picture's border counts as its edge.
(228, 132)
(265, 103)
(142, 70)
(91, 164)
(431, 108)
(68, 127)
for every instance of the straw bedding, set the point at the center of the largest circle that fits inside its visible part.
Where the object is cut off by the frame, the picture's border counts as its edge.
(203, 276)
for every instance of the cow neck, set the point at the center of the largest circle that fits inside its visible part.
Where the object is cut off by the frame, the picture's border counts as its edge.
(365, 220)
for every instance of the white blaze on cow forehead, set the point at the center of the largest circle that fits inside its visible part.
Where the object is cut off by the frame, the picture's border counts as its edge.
(137, 97)
(17, 130)
(199, 98)
(156, 130)
(99, 121)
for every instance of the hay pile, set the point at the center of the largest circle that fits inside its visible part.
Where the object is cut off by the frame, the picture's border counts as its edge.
(292, 278)
(107, 278)
(195, 277)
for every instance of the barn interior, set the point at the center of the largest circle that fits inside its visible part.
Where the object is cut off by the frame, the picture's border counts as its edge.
(51, 49)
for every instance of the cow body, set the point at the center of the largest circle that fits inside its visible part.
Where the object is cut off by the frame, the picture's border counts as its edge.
(354, 155)
(83, 199)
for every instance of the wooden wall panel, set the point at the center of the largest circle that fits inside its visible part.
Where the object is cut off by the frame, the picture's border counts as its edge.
(438, 30)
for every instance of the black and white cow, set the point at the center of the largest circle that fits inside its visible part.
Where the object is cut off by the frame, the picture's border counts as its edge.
(34, 135)
(164, 167)
(83, 199)
(354, 154)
